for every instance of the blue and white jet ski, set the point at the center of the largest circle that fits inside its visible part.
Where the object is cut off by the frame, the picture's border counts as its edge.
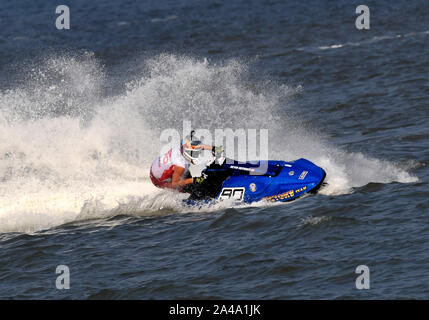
(273, 181)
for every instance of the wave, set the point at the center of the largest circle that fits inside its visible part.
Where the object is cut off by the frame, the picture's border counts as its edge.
(72, 151)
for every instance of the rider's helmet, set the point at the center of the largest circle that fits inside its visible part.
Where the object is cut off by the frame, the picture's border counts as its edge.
(191, 148)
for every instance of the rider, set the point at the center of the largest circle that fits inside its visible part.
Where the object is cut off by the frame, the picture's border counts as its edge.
(171, 170)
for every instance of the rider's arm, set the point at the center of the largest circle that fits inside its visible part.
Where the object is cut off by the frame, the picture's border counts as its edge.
(177, 180)
(214, 149)
(207, 147)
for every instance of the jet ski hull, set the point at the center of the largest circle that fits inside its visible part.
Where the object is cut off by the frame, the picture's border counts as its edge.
(273, 181)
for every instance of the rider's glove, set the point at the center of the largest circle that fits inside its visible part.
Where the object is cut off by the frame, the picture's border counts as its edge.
(217, 150)
(199, 180)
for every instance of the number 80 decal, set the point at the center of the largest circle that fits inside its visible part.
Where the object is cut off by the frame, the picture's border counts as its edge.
(234, 193)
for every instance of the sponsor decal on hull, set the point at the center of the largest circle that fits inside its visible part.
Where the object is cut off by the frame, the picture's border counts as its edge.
(279, 197)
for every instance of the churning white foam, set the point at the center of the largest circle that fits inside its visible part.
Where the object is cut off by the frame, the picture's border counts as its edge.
(69, 151)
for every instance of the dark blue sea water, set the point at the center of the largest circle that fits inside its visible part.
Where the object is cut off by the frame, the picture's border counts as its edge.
(81, 112)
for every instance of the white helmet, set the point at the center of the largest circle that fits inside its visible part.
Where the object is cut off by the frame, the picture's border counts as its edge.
(192, 148)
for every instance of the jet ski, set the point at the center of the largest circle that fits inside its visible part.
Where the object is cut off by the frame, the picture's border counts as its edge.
(270, 180)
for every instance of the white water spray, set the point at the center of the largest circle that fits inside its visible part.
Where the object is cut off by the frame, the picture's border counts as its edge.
(68, 152)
